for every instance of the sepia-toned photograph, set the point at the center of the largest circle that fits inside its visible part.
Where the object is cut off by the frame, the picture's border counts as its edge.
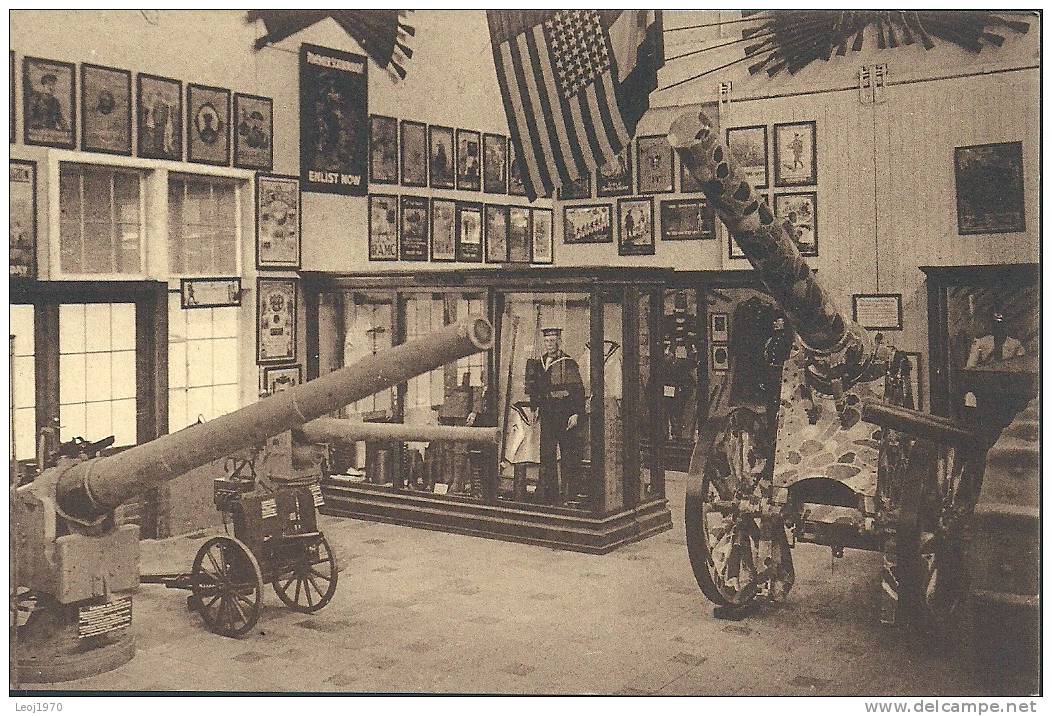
(749, 146)
(795, 154)
(49, 110)
(159, 121)
(590, 224)
(208, 124)
(105, 110)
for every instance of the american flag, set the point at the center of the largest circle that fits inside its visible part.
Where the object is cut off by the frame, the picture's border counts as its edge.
(575, 83)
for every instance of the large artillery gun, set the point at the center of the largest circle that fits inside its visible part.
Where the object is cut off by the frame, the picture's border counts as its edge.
(838, 456)
(79, 566)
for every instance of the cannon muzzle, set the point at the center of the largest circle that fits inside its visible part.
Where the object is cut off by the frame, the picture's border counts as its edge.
(328, 430)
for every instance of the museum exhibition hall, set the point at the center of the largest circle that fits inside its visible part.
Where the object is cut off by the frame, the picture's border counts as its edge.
(525, 352)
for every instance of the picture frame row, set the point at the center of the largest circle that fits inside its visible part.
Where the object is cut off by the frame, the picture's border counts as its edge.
(689, 219)
(418, 228)
(219, 126)
(798, 213)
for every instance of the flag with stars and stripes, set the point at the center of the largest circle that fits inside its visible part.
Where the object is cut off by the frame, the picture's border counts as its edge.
(574, 83)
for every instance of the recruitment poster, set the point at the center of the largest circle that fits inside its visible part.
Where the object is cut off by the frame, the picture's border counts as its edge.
(334, 121)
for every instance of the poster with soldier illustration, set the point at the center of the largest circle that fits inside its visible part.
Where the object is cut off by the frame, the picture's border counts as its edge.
(253, 132)
(48, 107)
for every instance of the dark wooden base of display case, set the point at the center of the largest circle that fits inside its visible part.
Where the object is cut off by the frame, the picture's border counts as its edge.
(516, 522)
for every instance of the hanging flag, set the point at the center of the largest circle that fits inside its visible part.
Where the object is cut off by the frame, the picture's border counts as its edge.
(574, 83)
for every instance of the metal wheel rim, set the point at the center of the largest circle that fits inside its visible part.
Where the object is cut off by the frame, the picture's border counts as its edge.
(229, 604)
(308, 588)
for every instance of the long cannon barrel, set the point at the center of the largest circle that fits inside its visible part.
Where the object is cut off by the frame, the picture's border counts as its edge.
(93, 488)
(916, 423)
(324, 430)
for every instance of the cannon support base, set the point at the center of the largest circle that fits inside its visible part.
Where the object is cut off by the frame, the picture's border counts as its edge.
(49, 649)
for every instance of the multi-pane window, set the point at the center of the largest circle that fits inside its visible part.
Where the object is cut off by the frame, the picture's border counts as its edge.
(101, 220)
(202, 226)
(202, 363)
(97, 371)
(473, 365)
(23, 386)
(424, 313)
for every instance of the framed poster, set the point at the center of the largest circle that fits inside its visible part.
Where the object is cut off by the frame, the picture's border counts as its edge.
(541, 229)
(795, 154)
(989, 179)
(654, 160)
(23, 219)
(105, 110)
(383, 149)
(748, 145)
(209, 292)
(798, 215)
(720, 358)
(414, 153)
(516, 185)
(494, 164)
(615, 178)
(254, 132)
(277, 378)
(275, 320)
(383, 227)
(278, 221)
(877, 311)
(49, 110)
(520, 243)
(441, 156)
(588, 224)
(469, 232)
(443, 230)
(208, 125)
(719, 328)
(334, 121)
(635, 223)
(687, 220)
(580, 188)
(159, 117)
(496, 225)
(469, 160)
(412, 242)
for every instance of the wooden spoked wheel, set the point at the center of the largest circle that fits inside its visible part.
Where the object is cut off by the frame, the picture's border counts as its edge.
(227, 586)
(730, 465)
(312, 582)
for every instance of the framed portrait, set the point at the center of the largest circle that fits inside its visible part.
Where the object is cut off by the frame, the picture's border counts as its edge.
(443, 230)
(588, 224)
(159, 117)
(877, 311)
(581, 188)
(277, 378)
(748, 146)
(49, 110)
(278, 221)
(105, 110)
(469, 160)
(413, 159)
(615, 178)
(798, 215)
(496, 231)
(208, 125)
(654, 165)
(989, 180)
(720, 358)
(520, 236)
(494, 164)
(253, 132)
(209, 292)
(275, 320)
(441, 155)
(687, 220)
(469, 232)
(23, 219)
(541, 229)
(635, 224)
(516, 184)
(412, 242)
(383, 227)
(719, 328)
(334, 121)
(383, 149)
(795, 154)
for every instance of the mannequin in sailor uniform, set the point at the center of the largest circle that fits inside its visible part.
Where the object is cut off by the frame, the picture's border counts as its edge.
(561, 408)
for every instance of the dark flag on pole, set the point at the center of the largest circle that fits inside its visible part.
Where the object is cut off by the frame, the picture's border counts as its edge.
(574, 83)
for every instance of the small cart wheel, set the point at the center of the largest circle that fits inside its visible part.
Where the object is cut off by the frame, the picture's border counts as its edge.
(312, 582)
(227, 586)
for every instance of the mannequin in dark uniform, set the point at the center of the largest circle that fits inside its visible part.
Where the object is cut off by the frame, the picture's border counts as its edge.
(561, 407)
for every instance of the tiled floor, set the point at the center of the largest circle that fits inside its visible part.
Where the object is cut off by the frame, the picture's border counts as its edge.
(427, 611)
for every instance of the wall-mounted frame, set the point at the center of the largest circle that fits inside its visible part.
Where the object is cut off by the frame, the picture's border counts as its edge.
(516, 184)
(635, 224)
(719, 357)
(877, 311)
(719, 328)
(615, 178)
(281, 377)
(253, 132)
(748, 145)
(495, 164)
(278, 221)
(520, 235)
(208, 125)
(383, 227)
(105, 110)
(469, 160)
(588, 224)
(581, 188)
(441, 156)
(275, 320)
(413, 228)
(443, 230)
(23, 219)
(989, 182)
(541, 229)
(383, 149)
(495, 219)
(413, 156)
(159, 117)
(469, 232)
(795, 154)
(654, 165)
(49, 109)
(798, 214)
(687, 220)
(209, 292)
